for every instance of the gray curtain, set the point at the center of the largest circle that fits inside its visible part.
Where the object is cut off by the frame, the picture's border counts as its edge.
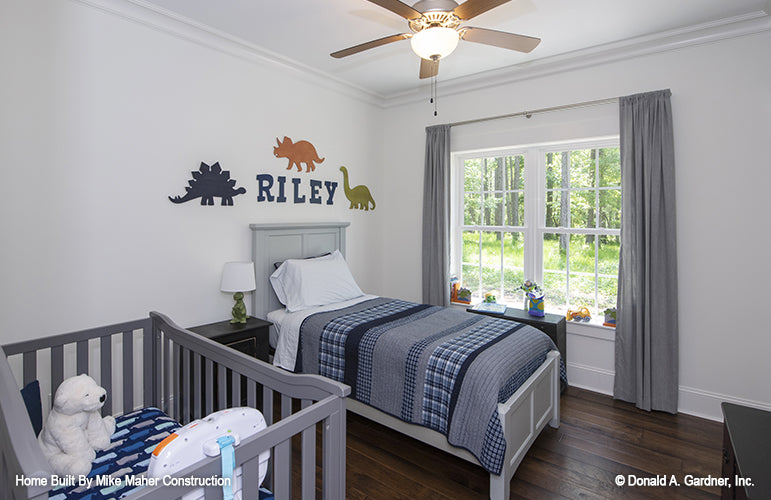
(436, 216)
(647, 328)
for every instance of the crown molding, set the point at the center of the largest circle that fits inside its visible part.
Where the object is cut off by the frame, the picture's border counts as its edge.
(665, 41)
(165, 21)
(155, 17)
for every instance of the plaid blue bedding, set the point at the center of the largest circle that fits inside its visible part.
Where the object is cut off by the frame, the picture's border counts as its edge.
(433, 366)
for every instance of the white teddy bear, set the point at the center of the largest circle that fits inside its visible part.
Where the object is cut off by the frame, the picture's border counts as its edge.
(75, 428)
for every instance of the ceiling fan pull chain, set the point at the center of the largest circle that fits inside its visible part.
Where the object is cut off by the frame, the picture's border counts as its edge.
(435, 91)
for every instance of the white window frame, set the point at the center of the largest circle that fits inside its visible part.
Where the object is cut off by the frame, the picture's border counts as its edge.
(534, 226)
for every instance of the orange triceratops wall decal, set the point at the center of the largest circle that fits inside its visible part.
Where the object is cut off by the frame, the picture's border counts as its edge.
(297, 153)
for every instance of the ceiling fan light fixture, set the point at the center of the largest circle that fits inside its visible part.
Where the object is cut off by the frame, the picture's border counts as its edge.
(434, 43)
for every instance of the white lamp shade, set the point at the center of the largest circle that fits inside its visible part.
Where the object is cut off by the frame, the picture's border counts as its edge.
(238, 277)
(436, 41)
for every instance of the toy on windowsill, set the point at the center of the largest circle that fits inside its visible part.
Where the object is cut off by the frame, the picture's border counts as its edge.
(581, 314)
(610, 317)
(490, 298)
(530, 286)
(454, 287)
(534, 303)
(464, 296)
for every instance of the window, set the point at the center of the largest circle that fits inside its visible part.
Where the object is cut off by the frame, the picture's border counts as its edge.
(550, 213)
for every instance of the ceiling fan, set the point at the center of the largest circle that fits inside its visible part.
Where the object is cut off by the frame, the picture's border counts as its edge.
(436, 30)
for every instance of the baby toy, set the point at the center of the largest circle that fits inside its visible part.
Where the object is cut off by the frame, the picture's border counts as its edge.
(530, 286)
(610, 317)
(216, 434)
(534, 303)
(464, 296)
(75, 428)
(582, 314)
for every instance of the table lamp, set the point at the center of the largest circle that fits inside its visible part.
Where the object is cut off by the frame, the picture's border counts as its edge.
(237, 278)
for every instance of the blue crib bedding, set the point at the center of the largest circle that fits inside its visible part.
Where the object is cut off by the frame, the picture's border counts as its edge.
(136, 436)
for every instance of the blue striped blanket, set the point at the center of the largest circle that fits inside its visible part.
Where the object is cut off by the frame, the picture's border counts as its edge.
(438, 367)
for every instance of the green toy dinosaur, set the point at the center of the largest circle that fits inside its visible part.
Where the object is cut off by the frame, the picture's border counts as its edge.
(239, 309)
(359, 196)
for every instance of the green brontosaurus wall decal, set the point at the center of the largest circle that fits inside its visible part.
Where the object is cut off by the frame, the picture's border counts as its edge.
(359, 196)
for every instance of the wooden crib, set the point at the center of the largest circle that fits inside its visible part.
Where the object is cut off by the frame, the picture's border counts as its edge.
(188, 377)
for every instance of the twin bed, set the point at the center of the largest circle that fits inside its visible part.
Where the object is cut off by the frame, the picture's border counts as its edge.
(477, 387)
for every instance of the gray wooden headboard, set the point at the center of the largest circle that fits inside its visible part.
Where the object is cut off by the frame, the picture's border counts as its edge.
(272, 243)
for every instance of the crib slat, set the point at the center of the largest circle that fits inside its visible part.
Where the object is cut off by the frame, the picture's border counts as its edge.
(81, 364)
(251, 393)
(167, 377)
(152, 359)
(308, 458)
(29, 361)
(221, 388)
(105, 367)
(209, 386)
(148, 398)
(57, 367)
(250, 469)
(235, 397)
(283, 457)
(176, 411)
(197, 386)
(267, 404)
(286, 406)
(128, 372)
(185, 395)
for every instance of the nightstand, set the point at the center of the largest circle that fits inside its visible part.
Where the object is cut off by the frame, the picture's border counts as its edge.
(251, 338)
(553, 325)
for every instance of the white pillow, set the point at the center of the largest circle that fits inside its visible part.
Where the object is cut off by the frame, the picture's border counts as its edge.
(303, 283)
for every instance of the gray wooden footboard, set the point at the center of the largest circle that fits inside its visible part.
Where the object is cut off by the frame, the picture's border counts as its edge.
(177, 374)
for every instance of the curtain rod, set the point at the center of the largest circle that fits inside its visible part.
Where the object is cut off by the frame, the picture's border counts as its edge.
(528, 114)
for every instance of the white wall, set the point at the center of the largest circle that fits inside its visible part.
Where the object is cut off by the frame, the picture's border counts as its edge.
(721, 100)
(104, 116)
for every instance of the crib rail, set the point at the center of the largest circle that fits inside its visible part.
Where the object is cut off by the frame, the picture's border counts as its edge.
(193, 364)
(105, 342)
(188, 376)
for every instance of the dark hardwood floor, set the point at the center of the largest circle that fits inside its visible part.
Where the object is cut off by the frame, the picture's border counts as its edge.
(598, 439)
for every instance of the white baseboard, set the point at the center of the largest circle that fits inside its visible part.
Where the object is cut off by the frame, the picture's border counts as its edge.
(590, 378)
(706, 404)
(696, 402)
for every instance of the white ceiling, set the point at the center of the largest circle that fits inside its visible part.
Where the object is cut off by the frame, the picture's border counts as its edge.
(307, 31)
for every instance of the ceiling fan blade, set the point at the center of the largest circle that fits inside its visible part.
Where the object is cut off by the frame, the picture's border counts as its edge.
(398, 8)
(369, 45)
(428, 68)
(511, 41)
(472, 8)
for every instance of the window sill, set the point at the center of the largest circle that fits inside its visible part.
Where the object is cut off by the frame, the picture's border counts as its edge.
(592, 329)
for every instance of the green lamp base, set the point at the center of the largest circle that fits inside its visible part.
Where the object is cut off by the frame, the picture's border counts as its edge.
(239, 309)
